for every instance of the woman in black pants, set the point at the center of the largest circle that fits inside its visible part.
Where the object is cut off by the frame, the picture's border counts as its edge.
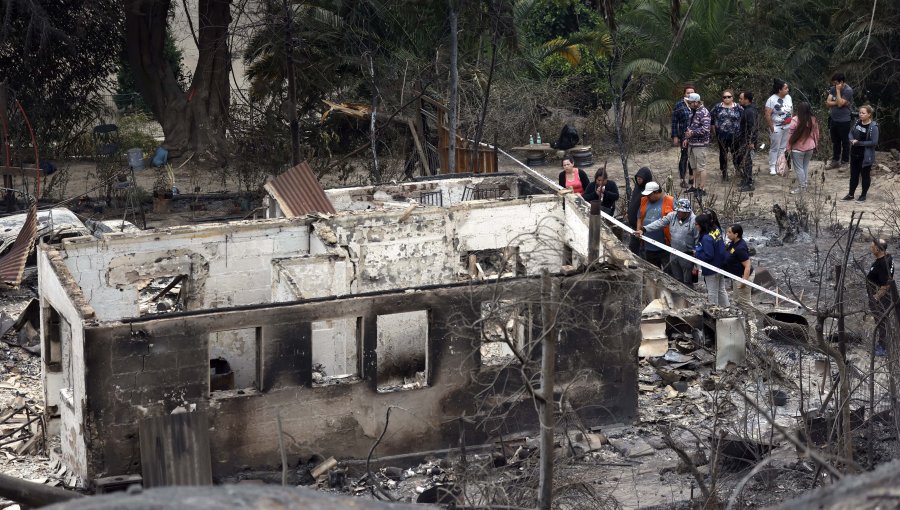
(863, 139)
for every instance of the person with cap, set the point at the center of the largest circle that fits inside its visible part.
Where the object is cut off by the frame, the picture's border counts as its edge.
(882, 291)
(683, 235)
(641, 178)
(654, 206)
(696, 139)
(681, 117)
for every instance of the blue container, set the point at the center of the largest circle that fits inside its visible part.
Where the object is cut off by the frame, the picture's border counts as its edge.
(160, 157)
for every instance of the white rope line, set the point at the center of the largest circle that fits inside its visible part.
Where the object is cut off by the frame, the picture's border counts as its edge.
(662, 246)
(689, 258)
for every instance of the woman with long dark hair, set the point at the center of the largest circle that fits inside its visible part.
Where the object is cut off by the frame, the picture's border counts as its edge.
(603, 192)
(802, 142)
(711, 249)
(778, 115)
(571, 177)
(863, 139)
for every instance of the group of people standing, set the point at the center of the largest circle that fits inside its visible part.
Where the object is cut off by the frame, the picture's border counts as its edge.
(671, 222)
(733, 122)
(660, 217)
(793, 135)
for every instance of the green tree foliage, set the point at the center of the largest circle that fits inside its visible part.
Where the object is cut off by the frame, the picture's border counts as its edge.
(56, 57)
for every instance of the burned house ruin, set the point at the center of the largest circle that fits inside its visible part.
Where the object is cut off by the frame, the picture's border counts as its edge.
(404, 297)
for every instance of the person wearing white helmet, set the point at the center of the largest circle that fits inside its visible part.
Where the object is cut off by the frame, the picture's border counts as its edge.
(683, 237)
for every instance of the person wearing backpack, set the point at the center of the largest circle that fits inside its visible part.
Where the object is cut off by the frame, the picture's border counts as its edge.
(711, 249)
(863, 139)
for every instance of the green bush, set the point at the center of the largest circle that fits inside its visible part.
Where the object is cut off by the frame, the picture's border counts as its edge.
(135, 131)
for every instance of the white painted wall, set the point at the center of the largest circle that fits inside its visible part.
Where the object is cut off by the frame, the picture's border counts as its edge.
(576, 231)
(238, 347)
(53, 294)
(536, 226)
(232, 264)
(336, 346)
(401, 337)
(358, 198)
(238, 256)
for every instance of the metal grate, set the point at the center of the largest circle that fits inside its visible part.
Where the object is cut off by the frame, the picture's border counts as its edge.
(434, 198)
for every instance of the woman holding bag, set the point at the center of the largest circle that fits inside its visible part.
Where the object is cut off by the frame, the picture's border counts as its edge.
(802, 142)
(863, 139)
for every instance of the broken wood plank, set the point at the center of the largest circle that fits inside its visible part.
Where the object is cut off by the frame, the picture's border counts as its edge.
(326, 466)
(28, 171)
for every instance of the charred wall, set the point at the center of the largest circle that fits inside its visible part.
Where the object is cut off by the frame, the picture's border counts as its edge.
(152, 366)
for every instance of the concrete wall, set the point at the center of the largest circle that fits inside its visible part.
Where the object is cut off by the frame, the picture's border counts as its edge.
(156, 365)
(452, 190)
(64, 390)
(227, 264)
(232, 264)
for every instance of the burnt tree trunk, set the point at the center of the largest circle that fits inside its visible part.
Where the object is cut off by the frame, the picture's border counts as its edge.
(192, 120)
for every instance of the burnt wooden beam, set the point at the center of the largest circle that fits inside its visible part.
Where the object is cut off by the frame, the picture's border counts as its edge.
(33, 494)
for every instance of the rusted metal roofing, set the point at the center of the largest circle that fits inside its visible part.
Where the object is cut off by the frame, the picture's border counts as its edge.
(298, 192)
(12, 263)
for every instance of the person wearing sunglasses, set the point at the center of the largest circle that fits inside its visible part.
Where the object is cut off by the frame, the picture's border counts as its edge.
(724, 122)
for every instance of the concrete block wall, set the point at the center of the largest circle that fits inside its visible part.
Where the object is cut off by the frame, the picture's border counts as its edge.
(452, 190)
(535, 226)
(153, 366)
(65, 390)
(232, 264)
(227, 264)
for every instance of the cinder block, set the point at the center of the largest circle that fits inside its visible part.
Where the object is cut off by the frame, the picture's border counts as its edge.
(127, 364)
(160, 361)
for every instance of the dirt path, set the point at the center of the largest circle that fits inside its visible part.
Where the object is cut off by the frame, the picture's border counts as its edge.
(826, 188)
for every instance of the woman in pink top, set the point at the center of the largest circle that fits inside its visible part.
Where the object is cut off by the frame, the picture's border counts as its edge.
(802, 142)
(571, 177)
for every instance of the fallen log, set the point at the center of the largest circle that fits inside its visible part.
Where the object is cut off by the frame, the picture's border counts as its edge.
(33, 494)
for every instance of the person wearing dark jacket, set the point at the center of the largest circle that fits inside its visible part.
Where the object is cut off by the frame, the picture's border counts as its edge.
(863, 140)
(746, 139)
(882, 291)
(711, 249)
(641, 178)
(681, 118)
(602, 191)
(571, 177)
(737, 262)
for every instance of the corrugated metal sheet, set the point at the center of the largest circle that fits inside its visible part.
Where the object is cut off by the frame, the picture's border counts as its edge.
(298, 192)
(12, 264)
(175, 450)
